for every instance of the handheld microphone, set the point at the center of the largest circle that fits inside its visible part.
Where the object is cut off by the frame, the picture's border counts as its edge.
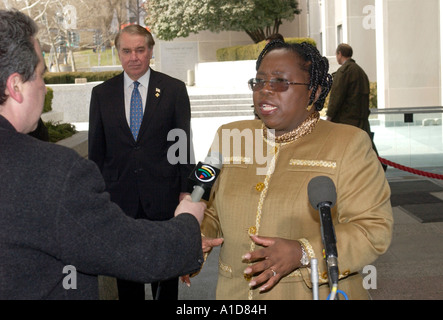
(322, 196)
(204, 175)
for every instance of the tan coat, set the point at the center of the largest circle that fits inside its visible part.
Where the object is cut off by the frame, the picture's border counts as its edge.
(276, 205)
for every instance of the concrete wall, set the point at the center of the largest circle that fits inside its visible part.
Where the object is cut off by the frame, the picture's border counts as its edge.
(412, 55)
(361, 34)
(72, 100)
(229, 75)
(78, 142)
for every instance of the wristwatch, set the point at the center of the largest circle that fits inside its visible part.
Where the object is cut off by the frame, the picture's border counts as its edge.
(304, 260)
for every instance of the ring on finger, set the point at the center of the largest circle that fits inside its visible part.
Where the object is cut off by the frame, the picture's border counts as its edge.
(273, 272)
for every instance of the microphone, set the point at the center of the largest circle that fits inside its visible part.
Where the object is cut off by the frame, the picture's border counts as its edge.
(322, 196)
(314, 278)
(204, 175)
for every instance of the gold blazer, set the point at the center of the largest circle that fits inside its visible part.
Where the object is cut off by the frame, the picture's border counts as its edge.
(269, 198)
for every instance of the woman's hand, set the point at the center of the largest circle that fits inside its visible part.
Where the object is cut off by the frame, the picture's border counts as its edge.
(277, 259)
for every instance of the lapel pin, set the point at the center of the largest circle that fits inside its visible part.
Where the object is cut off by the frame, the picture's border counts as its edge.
(157, 90)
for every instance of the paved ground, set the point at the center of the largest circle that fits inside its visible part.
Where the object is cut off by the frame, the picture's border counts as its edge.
(412, 267)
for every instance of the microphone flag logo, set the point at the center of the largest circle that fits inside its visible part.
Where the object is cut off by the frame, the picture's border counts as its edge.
(205, 173)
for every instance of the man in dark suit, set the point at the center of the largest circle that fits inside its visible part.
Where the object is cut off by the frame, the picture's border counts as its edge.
(141, 173)
(58, 228)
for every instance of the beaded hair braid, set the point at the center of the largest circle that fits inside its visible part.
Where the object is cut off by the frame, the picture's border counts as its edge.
(316, 65)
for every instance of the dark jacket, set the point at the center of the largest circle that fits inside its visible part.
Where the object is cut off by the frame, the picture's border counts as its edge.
(349, 97)
(55, 213)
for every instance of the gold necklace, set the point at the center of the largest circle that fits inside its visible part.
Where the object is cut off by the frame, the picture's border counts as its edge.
(304, 129)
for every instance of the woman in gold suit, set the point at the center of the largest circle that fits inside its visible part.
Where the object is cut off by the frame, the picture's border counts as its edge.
(259, 205)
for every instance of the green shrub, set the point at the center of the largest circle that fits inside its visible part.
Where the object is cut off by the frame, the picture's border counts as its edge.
(48, 100)
(252, 51)
(69, 77)
(59, 131)
(56, 131)
(373, 95)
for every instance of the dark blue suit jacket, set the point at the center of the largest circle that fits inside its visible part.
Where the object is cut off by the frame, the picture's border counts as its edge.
(140, 171)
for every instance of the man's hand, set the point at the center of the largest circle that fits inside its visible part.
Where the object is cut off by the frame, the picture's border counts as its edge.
(182, 195)
(197, 209)
(207, 245)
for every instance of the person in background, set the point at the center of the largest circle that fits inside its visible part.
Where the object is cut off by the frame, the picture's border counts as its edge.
(261, 211)
(58, 228)
(349, 97)
(135, 119)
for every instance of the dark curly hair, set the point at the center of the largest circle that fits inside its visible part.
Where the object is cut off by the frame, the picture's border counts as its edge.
(316, 65)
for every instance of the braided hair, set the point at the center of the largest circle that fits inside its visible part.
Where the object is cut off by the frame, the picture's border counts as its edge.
(316, 65)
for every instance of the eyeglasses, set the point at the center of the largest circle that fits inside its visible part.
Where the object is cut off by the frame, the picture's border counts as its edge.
(277, 85)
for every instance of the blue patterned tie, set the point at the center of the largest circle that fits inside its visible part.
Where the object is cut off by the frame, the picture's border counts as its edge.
(136, 110)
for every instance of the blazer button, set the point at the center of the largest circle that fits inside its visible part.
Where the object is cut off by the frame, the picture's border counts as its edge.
(259, 186)
(252, 230)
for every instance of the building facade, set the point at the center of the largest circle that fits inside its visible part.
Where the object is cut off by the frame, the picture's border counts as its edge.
(397, 42)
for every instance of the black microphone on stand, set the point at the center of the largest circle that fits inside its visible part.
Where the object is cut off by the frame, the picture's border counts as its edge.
(204, 175)
(322, 196)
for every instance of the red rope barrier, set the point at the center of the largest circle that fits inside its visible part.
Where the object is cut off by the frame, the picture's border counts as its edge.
(411, 170)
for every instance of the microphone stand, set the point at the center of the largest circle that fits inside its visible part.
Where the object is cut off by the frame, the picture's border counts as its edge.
(314, 278)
